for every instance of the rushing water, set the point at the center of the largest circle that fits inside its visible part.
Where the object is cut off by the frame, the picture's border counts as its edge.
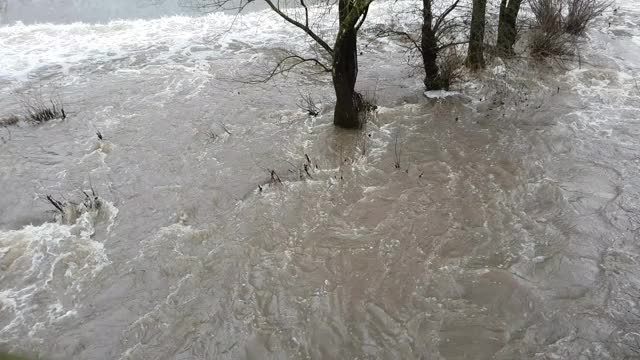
(29, 11)
(509, 231)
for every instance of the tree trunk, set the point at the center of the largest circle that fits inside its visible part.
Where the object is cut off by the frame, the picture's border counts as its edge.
(345, 73)
(475, 57)
(429, 48)
(507, 31)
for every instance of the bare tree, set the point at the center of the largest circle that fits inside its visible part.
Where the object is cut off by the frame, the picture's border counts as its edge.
(436, 35)
(432, 31)
(343, 53)
(475, 56)
(507, 31)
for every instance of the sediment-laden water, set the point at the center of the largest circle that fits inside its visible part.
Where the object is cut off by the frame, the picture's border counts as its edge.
(510, 229)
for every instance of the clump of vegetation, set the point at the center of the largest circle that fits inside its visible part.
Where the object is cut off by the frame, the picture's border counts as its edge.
(9, 120)
(308, 105)
(397, 152)
(556, 29)
(548, 39)
(580, 13)
(36, 109)
(547, 44)
(547, 14)
(366, 101)
(70, 211)
(450, 64)
(40, 112)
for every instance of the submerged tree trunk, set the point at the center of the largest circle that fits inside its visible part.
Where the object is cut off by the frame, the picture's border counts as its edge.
(475, 57)
(345, 69)
(429, 48)
(345, 73)
(507, 30)
(344, 58)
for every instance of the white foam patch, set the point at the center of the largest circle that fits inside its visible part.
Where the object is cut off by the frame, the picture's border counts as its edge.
(169, 43)
(441, 94)
(48, 264)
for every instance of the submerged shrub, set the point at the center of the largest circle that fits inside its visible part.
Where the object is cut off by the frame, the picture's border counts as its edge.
(545, 44)
(69, 211)
(580, 13)
(551, 16)
(40, 113)
(450, 65)
(366, 101)
(558, 23)
(547, 15)
(10, 120)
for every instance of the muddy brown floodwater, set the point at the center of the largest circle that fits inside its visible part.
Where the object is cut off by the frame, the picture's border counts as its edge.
(508, 230)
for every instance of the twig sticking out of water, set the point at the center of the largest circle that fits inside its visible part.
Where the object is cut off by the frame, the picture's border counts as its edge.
(397, 153)
(275, 178)
(91, 201)
(308, 105)
(59, 205)
(225, 128)
(69, 211)
(306, 169)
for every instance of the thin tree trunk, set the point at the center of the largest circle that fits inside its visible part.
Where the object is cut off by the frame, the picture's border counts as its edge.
(475, 57)
(507, 31)
(429, 48)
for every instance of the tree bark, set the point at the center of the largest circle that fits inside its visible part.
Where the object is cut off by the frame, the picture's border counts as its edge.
(507, 31)
(429, 48)
(475, 57)
(345, 73)
(345, 70)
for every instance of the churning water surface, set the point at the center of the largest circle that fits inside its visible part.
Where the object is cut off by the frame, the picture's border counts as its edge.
(510, 230)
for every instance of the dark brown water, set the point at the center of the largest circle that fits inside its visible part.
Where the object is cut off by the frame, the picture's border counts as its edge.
(509, 230)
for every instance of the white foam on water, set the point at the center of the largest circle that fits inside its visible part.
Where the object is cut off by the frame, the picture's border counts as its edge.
(177, 42)
(441, 94)
(45, 268)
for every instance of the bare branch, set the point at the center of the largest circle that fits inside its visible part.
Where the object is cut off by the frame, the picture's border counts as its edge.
(362, 19)
(308, 105)
(286, 64)
(213, 5)
(444, 15)
(306, 13)
(392, 32)
(448, 45)
(306, 29)
(357, 10)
